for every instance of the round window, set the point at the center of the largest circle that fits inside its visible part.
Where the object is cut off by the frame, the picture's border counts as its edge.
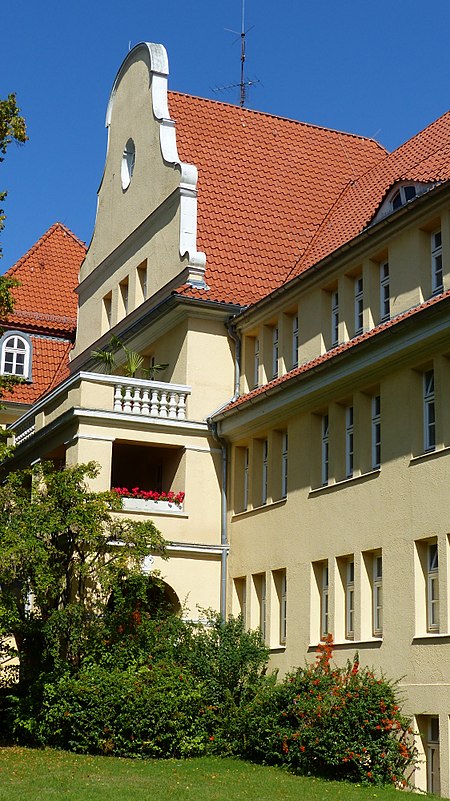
(128, 161)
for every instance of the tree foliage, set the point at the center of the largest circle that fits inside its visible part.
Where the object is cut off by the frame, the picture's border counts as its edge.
(12, 129)
(62, 552)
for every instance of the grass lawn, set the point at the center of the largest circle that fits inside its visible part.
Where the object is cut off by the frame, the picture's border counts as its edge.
(29, 775)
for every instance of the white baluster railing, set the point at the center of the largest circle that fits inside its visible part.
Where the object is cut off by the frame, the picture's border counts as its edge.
(150, 398)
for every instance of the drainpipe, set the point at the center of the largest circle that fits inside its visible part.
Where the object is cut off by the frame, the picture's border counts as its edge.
(223, 445)
(223, 522)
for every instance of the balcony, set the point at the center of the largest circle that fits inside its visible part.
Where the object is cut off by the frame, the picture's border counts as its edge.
(92, 395)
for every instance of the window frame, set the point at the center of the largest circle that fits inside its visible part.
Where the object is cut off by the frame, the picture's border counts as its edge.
(325, 461)
(335, 318)
(324, 601)
(432, 587)
(437, 277)
(350, 599)
(246, 477)
(283, 608)
(385, 298)
(284, 464)
(265, 471)
(377, 595)
(275, 352)
(429, 411)
(294, 342)
(349, 442)
(26, 351)
(256, 362)
(359, 305)
(376, 432)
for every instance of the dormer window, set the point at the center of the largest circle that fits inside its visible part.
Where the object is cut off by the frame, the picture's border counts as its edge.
(402, 196)
(15, 355)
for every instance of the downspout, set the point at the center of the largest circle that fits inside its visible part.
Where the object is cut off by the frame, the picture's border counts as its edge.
(224, 488)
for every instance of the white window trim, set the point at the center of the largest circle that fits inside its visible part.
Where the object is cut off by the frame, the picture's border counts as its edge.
(432, 587)
(385, 300)
(256, 363)
(349, 442)
(284, 465)
(437, 281)
(263, 607)
(376, 431)
(265, 471)
(324, 602)
(246, 469)
(283, 608)
(350, 600)
(325, 450)
(334, 318)
(275, 352)
(429, 411)
(359, 305)
(377, 595)
(16, 336)
(295, 341)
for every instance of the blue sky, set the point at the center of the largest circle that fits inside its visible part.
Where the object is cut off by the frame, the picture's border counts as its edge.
(376, 69)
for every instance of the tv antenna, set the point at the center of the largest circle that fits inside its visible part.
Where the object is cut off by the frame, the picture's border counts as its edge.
(243, 85)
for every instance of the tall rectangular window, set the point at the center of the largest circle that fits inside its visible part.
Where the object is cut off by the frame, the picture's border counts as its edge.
(324, 602)
(283, 608)
(350, 600)
(263, 606)
(256, 363)
(437, 284)
(123, 288)
(334, 318)
(325, 449)
(385, 300)
(349, 441)
(107, 309)
(265, 471)
(275, 352)
(377, 596)
(376, 431)
(284, 465)
(432, 587)
(429, 411)
(142, 278)
(432, 755)
(246, 467)
(359, 305)
(295, 341)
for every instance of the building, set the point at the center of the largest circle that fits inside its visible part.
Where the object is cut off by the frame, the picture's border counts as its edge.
(37, 338)
(295, 283)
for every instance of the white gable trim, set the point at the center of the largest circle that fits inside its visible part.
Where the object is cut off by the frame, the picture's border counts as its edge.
(159, 67)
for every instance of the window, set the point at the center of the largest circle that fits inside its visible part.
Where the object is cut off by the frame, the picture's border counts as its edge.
(107, 311)
(294, 342)
(324, 601)
(256, 363)
(325, 449)
(432, 587)
(123, 289)
(402, 196)
(284, 465)
(349, 441)
(240, 588)
(283, 607)
(350, 600)
(429, 411)
(437, 284)
(432, 755)
(275, 352)
(377, 596)
(142, 278)
(376, 432)
(334, 319)
(246, 465)
(15, 355)
(259, 583)
(128, 162)
(385, 301)
(359, 305)
(265, 468)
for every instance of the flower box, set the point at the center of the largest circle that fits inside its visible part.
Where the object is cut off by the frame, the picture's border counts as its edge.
(147, 505)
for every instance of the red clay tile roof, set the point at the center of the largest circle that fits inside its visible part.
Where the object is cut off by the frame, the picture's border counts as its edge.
(424, 158)
(48, 274)
(50, 366)
(45, 307)
(265, 185)
(259, 392)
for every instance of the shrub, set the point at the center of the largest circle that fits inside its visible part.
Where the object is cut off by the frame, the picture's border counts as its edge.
(340, 723)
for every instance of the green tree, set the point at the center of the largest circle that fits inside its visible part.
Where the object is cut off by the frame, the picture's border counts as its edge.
(62, 552)
(12, 129)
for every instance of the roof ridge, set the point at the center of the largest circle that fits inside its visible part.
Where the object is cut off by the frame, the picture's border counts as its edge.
(40, 242)
(279, 117)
